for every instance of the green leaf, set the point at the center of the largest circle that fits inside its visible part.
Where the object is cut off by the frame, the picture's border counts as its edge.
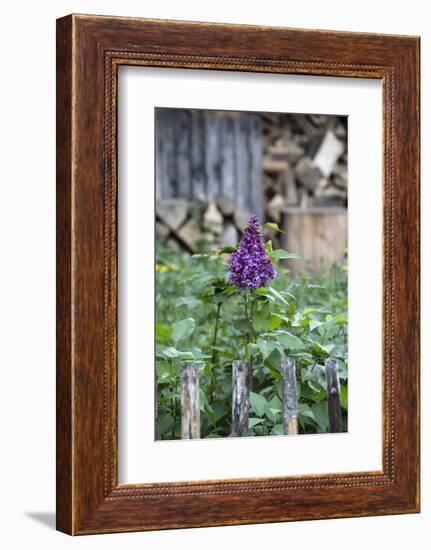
(226, 250)
(268, 247)
(274, 227)
(197, 354)
(273, 363)
(251, 348)
(163, 371)
(258, 404)
(343, 396)
(183, 329)
(252, 422)
(169, 352)
(272, 414)
(277, 430)
(262, 318)
(280, 254)
(340, 318)
(275, 322)
(289, 340)
(314, 323)
(320, 412)
(318, 350)
(228, 291)
(277, 295)
(164, 424)
(188, 301)
(266, 347)
(163, 333)
(282, 317)
(305, 410)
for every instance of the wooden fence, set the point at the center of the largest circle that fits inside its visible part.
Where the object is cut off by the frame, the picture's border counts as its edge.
(241, 386)
(201, 155)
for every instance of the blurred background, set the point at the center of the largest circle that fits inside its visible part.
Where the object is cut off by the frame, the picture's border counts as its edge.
(215, 168)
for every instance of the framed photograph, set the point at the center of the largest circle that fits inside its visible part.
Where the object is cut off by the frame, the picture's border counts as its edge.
(237, 274)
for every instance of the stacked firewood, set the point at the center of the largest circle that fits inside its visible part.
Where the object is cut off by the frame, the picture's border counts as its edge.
(195, 225)
(304, 162)
(304, 165)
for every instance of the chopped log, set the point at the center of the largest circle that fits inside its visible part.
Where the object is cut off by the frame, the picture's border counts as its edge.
(304, 125)
(290, 190)
(241, 385)
(289, 151)
(229, 237)
(274, 166)
(189, 235)
(241, 219)
(308, 174)
(329, 151)
(225, 206)
(213, 218)
(274, 207)
(172, 212)
(190, 411)
(290, 399)
(334, 403)
(161, 230)
(318, 235)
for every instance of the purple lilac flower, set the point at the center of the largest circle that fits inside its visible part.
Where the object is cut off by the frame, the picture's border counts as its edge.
(250, 266)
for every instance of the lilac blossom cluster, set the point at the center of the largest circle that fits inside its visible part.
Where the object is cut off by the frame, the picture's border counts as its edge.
(250, 266)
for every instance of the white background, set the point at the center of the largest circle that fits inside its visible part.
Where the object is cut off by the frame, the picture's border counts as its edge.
(27, 122)
(141, 458)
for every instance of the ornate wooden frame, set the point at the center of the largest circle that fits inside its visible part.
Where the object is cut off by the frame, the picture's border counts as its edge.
(89, 51)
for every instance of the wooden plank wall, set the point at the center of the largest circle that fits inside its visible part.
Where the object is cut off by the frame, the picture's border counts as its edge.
(201, 155)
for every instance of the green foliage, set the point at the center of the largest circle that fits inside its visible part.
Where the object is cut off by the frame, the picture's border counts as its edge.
(201, 317)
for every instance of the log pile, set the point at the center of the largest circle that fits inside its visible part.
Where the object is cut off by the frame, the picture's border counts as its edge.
(197, 225)
(304, 166)
(304, 162)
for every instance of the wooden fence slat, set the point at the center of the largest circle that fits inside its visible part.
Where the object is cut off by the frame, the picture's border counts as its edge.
(241, 385)
(334, 403)
(190, 411)
(290, 399)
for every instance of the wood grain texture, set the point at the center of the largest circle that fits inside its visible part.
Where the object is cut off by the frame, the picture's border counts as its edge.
(290, 398)
(189, 395)
(90, 49)
(333, 392)
(193, 147)
(241, 387)
(64, 496)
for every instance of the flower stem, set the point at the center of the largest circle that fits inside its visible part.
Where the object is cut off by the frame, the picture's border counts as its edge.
(214, 352)
(250, 319)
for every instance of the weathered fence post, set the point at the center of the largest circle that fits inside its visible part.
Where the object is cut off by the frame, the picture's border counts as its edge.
(190, 412)
(241, 385)
(333, 388)
(290, 399)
